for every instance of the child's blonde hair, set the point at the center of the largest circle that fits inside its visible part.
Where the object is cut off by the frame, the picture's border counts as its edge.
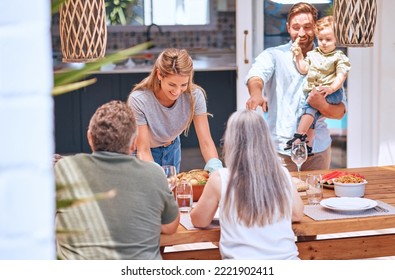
(323, 23)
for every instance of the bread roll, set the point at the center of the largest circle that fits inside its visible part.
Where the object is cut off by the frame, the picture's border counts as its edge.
(300, 185)
(194, 176)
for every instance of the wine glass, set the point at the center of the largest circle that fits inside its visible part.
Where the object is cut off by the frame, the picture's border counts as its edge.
(299, 154)
(171, 174)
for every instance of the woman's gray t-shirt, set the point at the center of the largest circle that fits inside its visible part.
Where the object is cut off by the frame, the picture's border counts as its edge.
(164, 123)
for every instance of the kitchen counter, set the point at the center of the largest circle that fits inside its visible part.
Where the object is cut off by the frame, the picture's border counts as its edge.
(215, 61)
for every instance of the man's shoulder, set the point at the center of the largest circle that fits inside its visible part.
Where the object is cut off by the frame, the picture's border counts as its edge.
(275, 53)
(279, 48)
(75, 157)
(150, 166)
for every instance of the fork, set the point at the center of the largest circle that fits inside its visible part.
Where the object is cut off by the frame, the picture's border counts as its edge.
(380, 209)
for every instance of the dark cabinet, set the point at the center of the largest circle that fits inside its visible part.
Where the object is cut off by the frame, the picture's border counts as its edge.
(67, 122)
(74, 110)
(220, 87)
(104, 90)
(127, 83)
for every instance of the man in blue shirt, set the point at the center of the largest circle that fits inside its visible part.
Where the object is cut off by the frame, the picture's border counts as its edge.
(274, 74)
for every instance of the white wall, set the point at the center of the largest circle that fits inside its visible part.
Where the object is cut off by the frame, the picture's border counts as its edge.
(249, 18)
(371, 95)
(26, 137)
(244, 47)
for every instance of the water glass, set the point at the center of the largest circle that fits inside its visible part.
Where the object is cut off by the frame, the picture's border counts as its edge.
(184, 195)
(171, 174)
(315, 189)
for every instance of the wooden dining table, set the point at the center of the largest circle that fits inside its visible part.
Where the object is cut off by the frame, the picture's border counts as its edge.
(334, 239)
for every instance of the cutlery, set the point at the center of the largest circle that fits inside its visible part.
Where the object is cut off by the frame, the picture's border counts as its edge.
(380, 209)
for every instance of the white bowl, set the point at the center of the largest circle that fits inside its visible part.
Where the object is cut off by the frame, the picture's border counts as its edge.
(350, 189)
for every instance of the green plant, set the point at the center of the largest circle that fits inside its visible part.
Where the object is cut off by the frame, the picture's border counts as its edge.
(329, 11)
(64, 203)
(119, 11)
(69, 80)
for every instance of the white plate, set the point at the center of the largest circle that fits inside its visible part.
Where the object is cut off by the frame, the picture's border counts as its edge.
(348, 203)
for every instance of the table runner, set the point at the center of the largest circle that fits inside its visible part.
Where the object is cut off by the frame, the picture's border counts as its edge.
(319, 213)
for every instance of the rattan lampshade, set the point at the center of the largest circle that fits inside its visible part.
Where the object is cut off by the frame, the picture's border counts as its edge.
(355, 22)
(83, 30)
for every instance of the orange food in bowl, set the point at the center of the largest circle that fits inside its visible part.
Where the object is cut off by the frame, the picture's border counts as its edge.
(344, 188)
(350, 179)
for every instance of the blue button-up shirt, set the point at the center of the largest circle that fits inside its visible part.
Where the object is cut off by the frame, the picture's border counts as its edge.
(283, 86)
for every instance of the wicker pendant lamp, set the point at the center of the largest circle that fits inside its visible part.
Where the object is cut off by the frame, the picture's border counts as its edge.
(83, 30)
(355, 22)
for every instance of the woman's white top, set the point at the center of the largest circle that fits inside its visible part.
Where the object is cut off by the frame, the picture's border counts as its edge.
(271, 242)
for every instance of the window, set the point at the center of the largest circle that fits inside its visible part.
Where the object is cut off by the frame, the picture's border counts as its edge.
(163, 13)
(175, 12)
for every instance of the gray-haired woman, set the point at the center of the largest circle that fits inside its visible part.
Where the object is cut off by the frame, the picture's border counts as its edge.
(256, 198)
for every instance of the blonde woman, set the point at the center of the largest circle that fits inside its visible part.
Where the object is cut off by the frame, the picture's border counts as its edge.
(165, 104)
(256, 199)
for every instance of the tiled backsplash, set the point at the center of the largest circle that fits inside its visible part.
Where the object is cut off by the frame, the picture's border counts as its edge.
(223, 37)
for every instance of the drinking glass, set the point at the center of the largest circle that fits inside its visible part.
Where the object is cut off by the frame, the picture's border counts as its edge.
(184, 194)
(299, 154)
(171, 174)
(315, 188)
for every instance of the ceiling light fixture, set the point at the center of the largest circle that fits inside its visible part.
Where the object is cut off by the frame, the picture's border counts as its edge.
(355, 22)
(83, 30)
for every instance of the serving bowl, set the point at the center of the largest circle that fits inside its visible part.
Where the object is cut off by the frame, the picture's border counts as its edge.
(350, 189)
(197, 191)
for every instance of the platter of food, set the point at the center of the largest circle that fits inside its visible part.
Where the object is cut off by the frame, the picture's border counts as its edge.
(328, 179)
